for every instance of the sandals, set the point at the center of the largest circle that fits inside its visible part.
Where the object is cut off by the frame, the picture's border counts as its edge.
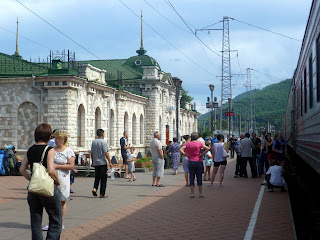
(160, 185)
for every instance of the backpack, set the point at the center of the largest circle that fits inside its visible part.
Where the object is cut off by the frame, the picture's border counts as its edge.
(2, 168)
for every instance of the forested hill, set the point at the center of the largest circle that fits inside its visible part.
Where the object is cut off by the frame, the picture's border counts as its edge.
(268, 105)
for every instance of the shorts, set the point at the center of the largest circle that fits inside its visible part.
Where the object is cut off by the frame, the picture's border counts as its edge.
(208, 163)
(131, 167)
(217, 164)
(158, 167)
(185, 164)
(124, 158)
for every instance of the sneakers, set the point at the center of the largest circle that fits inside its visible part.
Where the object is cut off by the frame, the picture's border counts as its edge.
(270, 190)
(46, 227)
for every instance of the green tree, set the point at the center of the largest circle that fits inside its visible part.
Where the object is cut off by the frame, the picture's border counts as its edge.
(185, 97)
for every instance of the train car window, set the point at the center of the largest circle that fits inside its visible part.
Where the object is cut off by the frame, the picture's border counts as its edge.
(318, 68)
(310, 82)
(301, 94)
(305, 89)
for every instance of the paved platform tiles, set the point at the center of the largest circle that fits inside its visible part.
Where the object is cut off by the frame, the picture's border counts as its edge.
(136, 210)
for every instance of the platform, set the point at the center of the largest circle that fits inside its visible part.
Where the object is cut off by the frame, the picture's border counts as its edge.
(136, 210)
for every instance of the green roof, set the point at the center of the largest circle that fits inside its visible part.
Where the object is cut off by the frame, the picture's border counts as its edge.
(128, 69)
(11, 66)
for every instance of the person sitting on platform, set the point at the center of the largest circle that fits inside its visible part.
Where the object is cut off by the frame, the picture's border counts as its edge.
(274, 177)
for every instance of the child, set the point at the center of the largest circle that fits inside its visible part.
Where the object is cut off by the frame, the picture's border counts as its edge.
(72, 174)
(131, 159)
(208, 163)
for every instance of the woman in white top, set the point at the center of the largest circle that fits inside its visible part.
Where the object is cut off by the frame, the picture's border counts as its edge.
(219, 160)
(64, 163)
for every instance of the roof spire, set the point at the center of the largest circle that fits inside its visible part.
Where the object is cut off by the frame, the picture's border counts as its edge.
(141, 47)
(16, 54)
(141, 51)
(17, 48)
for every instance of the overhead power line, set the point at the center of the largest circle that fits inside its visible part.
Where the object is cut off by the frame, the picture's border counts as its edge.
(210, 25)
(122, 78)
(26, 38)
(166, 17)
(184, 21)
(166, 39)
(266, 74)
(59, 30)
(264, 29)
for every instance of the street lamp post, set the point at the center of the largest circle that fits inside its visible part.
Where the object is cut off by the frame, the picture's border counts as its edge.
(229, 100)
(211, 122)
(177, 82)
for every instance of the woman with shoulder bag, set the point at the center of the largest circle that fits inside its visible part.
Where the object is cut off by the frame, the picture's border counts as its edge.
(37, 202)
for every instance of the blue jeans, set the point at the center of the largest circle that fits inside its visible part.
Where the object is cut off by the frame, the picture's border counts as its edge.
(263, 162)
(53, 208)
(196, 169)
(256, 160)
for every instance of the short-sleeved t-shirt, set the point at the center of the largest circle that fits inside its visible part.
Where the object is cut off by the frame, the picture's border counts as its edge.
(98, 149)
(123, 143)
(155, 146)
(194, 150)
(232, 142)
(255, 150)
(34, 154)
(131, 156)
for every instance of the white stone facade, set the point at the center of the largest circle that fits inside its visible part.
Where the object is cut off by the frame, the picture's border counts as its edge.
(80, 107)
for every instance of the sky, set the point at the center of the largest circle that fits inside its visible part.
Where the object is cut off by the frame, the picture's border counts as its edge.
(111, 30)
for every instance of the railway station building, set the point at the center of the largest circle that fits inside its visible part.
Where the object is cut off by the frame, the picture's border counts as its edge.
(119, 95)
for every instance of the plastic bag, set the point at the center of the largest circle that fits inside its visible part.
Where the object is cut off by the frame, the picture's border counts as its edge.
(111, 172)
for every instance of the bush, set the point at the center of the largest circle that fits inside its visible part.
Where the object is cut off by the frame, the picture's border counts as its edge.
(146, 159)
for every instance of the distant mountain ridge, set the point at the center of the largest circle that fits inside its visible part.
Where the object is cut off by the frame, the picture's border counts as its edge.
(268, 105)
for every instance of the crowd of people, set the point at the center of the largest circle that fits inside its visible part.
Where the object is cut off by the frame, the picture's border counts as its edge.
(265, 155)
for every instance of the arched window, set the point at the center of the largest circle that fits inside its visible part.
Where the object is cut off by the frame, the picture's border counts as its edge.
(81, 126)
(186, 128)
(97, 116)
(27, 122)
(141, 130)
(112, 128)
(126, 122)
(134, 129)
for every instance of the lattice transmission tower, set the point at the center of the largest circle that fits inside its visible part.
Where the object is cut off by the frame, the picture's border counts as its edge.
(226, 91)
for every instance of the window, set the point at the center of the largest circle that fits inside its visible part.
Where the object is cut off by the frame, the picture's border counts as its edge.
(141, 130)
(301, 94)
(305, 89)
(318, 68)
(310, 82)
(134, 129)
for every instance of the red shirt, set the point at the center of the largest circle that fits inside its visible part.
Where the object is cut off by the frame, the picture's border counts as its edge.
(194, 150)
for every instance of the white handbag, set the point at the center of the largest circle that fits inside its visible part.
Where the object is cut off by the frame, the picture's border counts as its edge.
(41, 183)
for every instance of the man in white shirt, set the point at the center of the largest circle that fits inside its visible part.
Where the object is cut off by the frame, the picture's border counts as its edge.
(276, 179)
(157, 159)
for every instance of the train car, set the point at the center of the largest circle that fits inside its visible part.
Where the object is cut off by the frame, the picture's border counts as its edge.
(301, 128)
(301, 124)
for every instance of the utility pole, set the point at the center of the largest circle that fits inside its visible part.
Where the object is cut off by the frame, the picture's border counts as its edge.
(226, 91)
